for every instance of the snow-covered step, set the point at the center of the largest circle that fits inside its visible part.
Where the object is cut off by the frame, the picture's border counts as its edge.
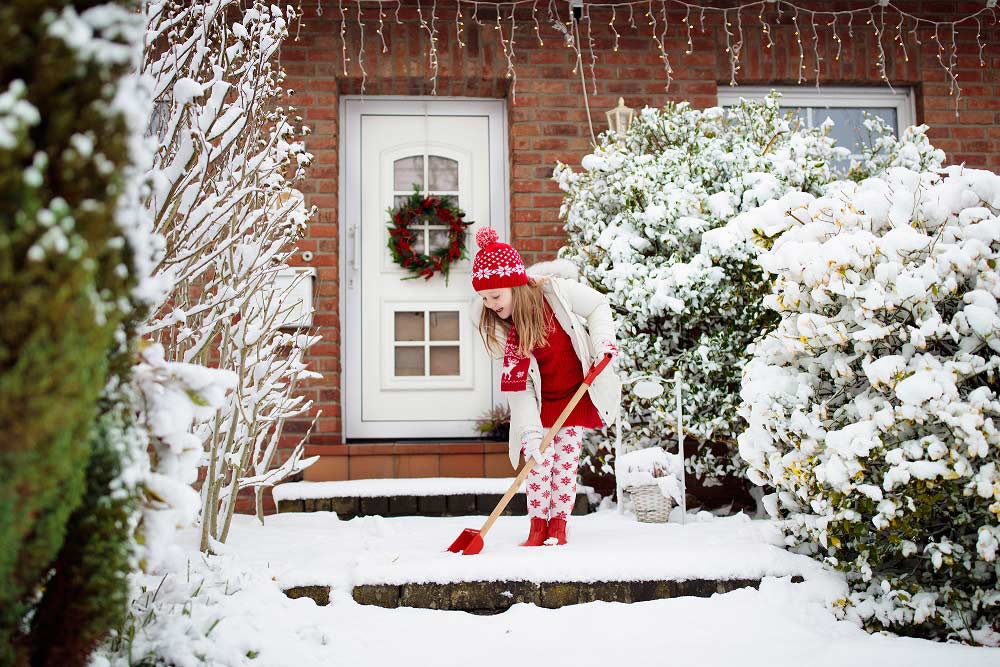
(609, 555)
(424, 496)
(494, 597)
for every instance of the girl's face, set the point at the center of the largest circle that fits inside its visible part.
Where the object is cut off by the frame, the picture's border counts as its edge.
(498, 300)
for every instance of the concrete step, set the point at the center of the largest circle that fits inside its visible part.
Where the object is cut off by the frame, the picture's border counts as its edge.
(494, 597)
(409, 497)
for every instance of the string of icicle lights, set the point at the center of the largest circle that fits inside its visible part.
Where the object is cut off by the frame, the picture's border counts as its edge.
(885, 18)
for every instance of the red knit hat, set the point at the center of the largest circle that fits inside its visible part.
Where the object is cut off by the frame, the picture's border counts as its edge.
(496, 264)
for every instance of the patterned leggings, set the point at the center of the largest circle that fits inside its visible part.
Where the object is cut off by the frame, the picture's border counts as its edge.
(551, 484)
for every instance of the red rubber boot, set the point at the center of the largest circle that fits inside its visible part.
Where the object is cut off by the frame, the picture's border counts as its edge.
(537, 533)
(557, 529)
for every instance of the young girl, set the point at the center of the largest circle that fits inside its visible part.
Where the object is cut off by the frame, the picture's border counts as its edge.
(552, 331)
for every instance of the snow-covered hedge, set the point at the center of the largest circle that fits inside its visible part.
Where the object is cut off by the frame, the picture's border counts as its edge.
(635, 217)
(883, 150)
(872, 407)
(73, 248)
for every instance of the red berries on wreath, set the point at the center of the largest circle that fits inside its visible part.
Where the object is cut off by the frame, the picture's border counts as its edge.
(435, 210)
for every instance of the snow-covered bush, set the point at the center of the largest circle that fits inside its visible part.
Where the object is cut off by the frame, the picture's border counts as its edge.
(73, 249)
(224, 201)
(873, 407)
(883, 150)
(635, 218)
(175, 398)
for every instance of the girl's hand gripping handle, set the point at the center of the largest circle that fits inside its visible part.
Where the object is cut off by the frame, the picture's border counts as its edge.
(598, 367)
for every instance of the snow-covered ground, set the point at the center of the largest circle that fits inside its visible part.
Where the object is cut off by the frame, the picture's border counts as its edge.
(317, 548)
(780, 624)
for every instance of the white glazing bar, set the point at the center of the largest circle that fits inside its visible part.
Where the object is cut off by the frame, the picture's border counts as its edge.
(427, 337)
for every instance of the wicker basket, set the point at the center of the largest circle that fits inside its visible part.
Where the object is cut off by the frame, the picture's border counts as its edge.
(651, 506)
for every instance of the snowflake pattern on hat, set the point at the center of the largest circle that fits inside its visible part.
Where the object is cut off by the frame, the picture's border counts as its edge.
(496, 264)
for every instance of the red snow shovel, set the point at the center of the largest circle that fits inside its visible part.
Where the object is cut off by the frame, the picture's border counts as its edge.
(471, 540)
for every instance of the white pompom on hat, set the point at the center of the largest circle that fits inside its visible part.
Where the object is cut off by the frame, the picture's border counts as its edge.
(496, 264)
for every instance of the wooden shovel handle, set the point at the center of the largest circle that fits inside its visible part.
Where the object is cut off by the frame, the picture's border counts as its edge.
(529, 463)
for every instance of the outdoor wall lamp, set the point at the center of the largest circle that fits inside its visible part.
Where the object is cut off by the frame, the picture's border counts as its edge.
(619, 119)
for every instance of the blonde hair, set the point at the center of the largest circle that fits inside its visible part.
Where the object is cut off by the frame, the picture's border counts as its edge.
(527, 312)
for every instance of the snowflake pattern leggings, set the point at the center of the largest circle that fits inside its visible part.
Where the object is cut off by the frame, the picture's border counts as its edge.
(551, 484)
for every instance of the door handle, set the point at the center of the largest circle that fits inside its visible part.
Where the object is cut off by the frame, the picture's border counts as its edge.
(352, 234)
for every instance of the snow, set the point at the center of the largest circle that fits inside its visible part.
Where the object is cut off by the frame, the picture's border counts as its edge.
(16, 113)
(303, 548)
(186, 89)
(95, 33)
(782, 623)
(919, 388)
(375, 488)
(558, 267)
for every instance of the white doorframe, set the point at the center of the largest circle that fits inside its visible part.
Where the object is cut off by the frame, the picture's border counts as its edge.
(352, 107)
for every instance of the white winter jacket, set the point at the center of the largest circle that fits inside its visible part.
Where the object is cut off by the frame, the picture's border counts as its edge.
(586, 316)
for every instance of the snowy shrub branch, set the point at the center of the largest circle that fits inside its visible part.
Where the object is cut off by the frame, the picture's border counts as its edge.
(872, 407)
(883, 150)
(636, 217)
(224, 201)
(174, 398)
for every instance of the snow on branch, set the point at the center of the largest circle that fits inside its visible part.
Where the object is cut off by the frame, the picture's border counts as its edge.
(223, 197)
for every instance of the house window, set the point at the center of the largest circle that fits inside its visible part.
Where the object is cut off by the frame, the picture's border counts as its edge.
(845, 106)
(433, 175)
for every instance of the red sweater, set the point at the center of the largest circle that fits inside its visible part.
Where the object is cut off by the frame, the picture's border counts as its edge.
(562, 375)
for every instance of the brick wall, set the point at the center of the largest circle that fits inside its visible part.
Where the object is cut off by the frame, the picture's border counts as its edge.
(548, 122)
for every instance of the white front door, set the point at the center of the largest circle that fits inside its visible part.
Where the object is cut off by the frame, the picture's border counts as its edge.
(414, 364)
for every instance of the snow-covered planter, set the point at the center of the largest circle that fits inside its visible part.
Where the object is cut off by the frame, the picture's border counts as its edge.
(635, 219)
(872, 406)
(651, 478)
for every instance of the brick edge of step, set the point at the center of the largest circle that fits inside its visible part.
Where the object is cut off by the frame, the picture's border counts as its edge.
(464, 504)
(494, 597)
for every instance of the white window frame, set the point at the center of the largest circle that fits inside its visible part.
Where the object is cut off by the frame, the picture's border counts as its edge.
(855, 97)
(410, 382)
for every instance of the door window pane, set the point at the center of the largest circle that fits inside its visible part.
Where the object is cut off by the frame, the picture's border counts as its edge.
(443, 173)
(409, 326)
(444, 325)
(417, 355)
(410, 360)
(444, 360)
(408, 171)
(439, 239)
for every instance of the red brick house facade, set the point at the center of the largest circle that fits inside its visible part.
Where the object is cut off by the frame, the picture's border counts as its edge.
(372, 423)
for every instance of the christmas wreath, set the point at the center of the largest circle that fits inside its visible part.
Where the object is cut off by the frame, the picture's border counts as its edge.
(435, 210)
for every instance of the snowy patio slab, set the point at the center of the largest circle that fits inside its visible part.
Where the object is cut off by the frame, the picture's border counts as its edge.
(386, 560)
(427, 496)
